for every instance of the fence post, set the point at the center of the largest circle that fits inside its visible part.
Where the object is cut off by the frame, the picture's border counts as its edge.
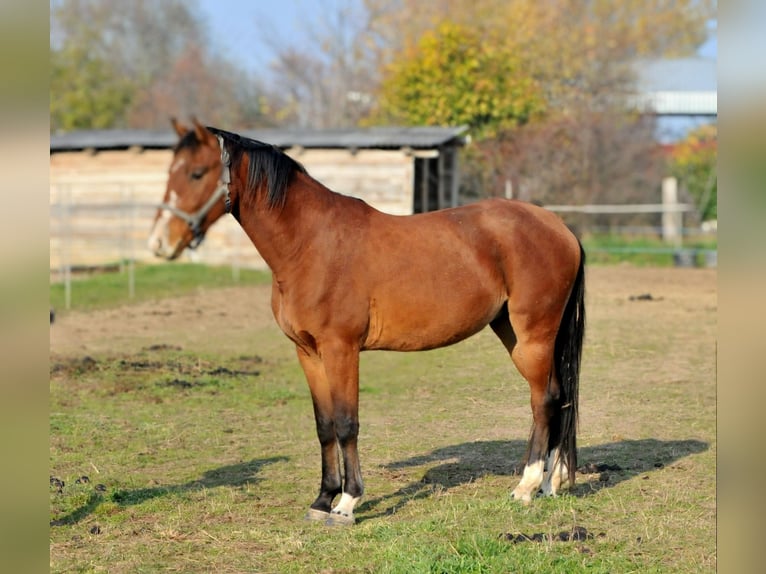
(235, 263)
(65, 197)
(671, 215)
(132, 245)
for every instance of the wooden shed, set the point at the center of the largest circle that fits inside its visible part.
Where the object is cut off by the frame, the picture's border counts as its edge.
(105, 185)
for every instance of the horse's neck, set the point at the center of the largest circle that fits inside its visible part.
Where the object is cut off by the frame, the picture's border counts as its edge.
(281, 234)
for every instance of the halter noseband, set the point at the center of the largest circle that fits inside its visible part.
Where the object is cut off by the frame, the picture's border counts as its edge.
(194, 220)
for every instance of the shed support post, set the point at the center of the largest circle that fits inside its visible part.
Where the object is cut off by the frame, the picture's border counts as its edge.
(441, 179)
(454, 175)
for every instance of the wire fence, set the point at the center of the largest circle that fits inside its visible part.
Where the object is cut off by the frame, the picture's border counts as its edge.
(104, 226)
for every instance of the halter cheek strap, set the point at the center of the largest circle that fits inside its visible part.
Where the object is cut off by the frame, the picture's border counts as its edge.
(194, 220)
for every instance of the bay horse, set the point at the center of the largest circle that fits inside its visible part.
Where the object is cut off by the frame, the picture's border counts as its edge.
(348, 278)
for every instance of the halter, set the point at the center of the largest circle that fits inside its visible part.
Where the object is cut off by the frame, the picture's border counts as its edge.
(194, 220)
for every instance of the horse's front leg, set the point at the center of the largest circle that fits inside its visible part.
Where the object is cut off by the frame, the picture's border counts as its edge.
(341, 365)
(325, 423)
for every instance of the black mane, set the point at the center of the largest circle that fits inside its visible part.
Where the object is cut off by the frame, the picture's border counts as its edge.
(268, 165)
(188, 141)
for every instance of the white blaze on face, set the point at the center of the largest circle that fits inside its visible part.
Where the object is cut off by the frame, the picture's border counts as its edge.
(159, 239)
(177, 165)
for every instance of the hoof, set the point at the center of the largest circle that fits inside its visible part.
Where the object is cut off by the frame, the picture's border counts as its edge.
(338, 519)
(524, 497)
(315, 515)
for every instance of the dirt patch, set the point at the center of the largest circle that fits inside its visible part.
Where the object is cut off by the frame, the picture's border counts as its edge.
(654, 284)
(169, 324)
(578, 533)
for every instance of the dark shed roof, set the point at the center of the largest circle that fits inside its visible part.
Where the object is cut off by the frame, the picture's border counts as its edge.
(420, 137)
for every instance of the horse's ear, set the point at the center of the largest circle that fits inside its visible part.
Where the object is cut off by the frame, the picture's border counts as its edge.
(180, 129)
(202, 133)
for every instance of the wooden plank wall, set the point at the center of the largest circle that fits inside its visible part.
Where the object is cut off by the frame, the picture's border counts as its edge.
(103, 203)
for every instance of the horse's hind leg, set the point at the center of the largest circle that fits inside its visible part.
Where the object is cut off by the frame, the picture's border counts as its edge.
(531, 346)
(534, 361)
(557, 474)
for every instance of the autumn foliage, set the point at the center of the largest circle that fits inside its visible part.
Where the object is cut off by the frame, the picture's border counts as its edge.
(542, 87)
(693, 162)
(453, 76)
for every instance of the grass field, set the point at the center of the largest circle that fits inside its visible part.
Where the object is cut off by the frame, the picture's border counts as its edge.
(182, 440)
(647, 251)
(151, 282)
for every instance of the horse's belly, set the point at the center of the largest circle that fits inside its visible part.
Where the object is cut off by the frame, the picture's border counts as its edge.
(420, 325)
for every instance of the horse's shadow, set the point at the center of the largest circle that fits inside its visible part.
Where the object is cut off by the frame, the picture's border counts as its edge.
(231, 475)
(467, 462)
(460, 464)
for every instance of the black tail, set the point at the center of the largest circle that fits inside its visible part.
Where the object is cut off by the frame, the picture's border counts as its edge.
(567, 364)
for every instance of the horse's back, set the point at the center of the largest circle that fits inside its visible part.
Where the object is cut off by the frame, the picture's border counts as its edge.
(490, 239)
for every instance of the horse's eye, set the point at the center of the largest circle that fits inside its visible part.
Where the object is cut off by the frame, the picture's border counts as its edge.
(198, 173)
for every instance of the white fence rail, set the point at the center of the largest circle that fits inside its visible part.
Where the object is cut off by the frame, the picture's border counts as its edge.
(627, 209)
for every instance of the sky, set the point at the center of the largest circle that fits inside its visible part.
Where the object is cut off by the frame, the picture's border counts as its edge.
(710, 48)
(245, 30)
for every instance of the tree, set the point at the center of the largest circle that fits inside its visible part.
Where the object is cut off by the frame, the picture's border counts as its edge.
(577, 53)
(602, 158)
(134, 64)
(85, 91)
(575, 138)
(455, 77)
(332, 85)
(693, 163)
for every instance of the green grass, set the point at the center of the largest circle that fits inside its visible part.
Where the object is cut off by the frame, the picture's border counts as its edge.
(609, 249)
(204, 459)
(111, 288)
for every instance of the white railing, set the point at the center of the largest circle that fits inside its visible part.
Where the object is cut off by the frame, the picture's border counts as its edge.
(620, 208)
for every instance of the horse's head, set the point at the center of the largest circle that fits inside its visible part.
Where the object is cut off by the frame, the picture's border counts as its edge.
(197, 192)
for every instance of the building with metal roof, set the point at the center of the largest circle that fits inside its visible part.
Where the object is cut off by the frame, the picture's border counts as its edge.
(686, 87)
(683, 93)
